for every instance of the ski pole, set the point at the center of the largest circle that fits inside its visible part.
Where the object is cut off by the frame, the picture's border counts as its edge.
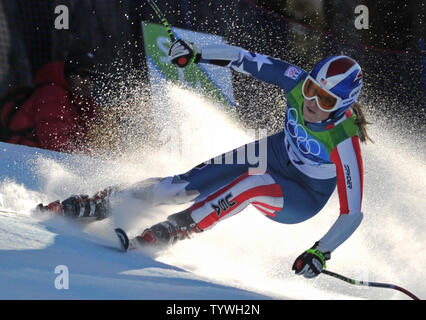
(163, 19)
(370, 284)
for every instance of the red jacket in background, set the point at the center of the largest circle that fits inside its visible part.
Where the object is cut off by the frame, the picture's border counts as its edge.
(60, 119)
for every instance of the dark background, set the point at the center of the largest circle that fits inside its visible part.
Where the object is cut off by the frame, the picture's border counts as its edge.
(301, 32)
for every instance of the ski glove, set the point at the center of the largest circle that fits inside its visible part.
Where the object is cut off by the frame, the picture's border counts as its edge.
(311, 262)
(182, 53)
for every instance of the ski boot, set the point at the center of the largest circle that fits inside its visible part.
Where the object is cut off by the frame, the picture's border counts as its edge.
(80, 206)
(177, 227)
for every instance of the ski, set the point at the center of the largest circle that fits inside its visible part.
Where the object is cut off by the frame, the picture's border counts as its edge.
(124, 239)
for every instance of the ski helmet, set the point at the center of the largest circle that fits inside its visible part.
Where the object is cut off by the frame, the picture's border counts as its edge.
(342, 76)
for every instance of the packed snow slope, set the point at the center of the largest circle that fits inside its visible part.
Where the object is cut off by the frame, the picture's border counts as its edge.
(245, 257)
(33, 246)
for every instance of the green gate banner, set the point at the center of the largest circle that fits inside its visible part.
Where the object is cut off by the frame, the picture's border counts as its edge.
(211, 81)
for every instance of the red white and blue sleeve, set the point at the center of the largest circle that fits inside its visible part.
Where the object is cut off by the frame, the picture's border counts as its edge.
(259, 66)
(349, 172)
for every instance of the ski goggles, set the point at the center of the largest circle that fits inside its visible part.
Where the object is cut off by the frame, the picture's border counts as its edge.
(326, 100)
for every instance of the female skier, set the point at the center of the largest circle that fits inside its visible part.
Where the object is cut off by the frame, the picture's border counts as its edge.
(318, 148)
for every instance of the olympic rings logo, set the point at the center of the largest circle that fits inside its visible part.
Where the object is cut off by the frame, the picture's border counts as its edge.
(300, 136)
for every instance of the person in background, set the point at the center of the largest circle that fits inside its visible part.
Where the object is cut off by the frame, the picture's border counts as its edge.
(57, 112)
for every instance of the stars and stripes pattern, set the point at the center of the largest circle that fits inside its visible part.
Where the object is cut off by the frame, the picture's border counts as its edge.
(259, 190)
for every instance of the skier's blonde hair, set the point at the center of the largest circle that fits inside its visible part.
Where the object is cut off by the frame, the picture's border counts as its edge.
(361, 122)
